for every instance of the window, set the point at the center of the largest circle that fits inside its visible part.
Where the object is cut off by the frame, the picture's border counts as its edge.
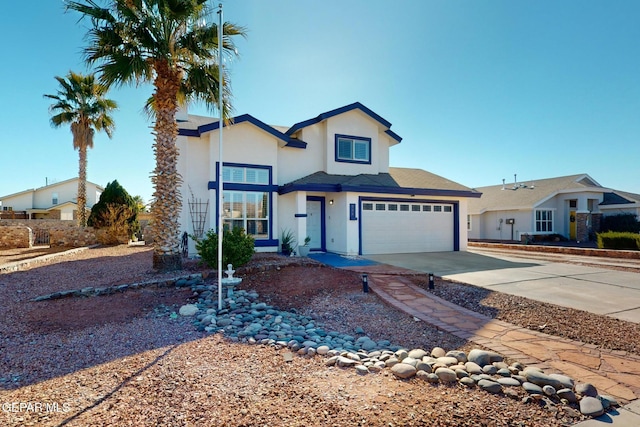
(393, 207)
(437, 208)
(426, 208)
(447, 208)
(248, 210)
(54, 198)
(404, 208)
(367, 206)
(544, 220)
(245, 175)
(380, 206)
(415, 208)
(353, 149)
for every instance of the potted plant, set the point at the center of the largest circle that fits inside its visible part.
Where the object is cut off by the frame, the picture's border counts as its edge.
(304, 249)
(288, 242)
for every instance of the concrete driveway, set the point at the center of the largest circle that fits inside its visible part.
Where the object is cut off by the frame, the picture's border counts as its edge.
(544, 278)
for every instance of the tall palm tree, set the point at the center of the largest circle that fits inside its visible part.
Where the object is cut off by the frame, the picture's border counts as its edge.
(81, 102)
(169, 43)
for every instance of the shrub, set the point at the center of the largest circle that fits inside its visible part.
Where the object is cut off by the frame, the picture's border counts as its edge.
(623, 222)
(114, 224)
(237, 248)
(104, 214)
(619, 240)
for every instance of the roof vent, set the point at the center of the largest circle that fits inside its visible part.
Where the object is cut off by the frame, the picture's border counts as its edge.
(503, 183)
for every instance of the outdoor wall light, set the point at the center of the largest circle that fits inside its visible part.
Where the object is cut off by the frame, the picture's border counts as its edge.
(365, 283)
(331, 201)
(431, 282)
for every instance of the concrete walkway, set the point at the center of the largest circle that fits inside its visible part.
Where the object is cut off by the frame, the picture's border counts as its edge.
(580, 282)
(611, 372)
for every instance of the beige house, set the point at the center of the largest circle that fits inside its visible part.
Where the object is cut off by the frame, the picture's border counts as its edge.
(53, 201)
(571, 206)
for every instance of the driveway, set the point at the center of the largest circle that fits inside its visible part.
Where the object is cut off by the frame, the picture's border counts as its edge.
(596, 289)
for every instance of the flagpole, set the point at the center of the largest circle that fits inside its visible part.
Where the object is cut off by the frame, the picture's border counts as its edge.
(220, 164)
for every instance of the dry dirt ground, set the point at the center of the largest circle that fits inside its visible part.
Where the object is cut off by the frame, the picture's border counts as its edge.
(122, 359)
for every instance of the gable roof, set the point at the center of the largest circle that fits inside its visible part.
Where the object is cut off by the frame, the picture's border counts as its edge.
(397, 181)
(55, 184)
(620, 198)
(355, 106)
(527, 195)
(198, 125)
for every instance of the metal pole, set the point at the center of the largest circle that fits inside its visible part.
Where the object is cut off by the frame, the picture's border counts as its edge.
(220, 183)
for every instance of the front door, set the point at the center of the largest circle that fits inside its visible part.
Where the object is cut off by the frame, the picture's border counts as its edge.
(315, 222)
(572, 225)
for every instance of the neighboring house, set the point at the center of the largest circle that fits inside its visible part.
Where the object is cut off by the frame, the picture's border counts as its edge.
(53, 201)
(571, 206)
(327, 178)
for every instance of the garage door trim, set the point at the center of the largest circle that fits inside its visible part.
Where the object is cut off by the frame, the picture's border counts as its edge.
(454, 203)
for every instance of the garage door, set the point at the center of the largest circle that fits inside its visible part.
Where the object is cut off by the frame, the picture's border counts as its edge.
(393, 227)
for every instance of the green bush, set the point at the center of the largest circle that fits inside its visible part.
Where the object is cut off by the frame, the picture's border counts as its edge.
(619, 240)
(623, 222)
(116, 210)
(237, 248)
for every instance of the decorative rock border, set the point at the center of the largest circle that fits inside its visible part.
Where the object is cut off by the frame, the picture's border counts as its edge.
(179, 282)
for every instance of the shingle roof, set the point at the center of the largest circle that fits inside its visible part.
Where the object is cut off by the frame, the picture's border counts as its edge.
(528, 194)
(620, 198)
(397, 181)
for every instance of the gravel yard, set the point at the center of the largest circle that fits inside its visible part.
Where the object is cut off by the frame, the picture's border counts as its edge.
(122, 359)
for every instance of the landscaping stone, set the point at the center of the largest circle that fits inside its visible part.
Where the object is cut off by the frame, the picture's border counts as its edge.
(591, 406)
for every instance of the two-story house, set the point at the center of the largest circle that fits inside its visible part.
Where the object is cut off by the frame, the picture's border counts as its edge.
(52, 201)
(327, 178)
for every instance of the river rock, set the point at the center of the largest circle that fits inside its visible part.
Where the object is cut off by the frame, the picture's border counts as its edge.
(460, 355)
(568, 394)
(540, 378)
(473, 368)
(418, 353)
(403, 370)
(586, 389)
(490, 386)
(446, 375)
(188, 310)
(483, 357)
(591, 406)
(438, 352)
(509, 382)
(532, 388)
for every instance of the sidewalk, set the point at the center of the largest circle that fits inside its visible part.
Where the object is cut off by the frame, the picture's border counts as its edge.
(612, 372)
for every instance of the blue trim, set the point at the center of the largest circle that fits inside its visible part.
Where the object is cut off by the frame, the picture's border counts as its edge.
(393, 135)
(323, 230)
(354, 138)
(323, 116)
(304, 215)
(209, 127)
(456, 215)
(266, 242)
(337, 188)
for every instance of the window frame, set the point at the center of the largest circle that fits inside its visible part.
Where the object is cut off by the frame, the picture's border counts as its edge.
(354, 141)
(547, 222)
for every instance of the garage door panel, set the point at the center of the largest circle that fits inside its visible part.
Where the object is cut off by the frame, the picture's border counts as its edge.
(423, 230)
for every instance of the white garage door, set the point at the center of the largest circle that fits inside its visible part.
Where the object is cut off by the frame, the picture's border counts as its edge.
(395, 227)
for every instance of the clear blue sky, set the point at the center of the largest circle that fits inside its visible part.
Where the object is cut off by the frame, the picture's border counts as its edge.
(479, 90)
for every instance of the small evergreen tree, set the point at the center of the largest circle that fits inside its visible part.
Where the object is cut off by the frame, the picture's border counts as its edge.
(105, 214)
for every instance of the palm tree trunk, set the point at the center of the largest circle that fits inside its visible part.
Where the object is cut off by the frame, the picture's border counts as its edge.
(167, 203)
(82, 186)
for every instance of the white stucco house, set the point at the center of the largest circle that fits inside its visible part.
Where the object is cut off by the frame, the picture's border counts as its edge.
(571, 206)
(52, 201)
(327, 178)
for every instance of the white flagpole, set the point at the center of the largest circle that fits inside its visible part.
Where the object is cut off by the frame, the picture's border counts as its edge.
(220, 183)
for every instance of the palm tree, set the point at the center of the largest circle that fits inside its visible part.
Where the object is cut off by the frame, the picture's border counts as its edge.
(169, 43)
(81, 102)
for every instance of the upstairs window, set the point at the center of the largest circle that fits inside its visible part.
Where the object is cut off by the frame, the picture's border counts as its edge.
(54, 198)
(353, 149)
(245, 175)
